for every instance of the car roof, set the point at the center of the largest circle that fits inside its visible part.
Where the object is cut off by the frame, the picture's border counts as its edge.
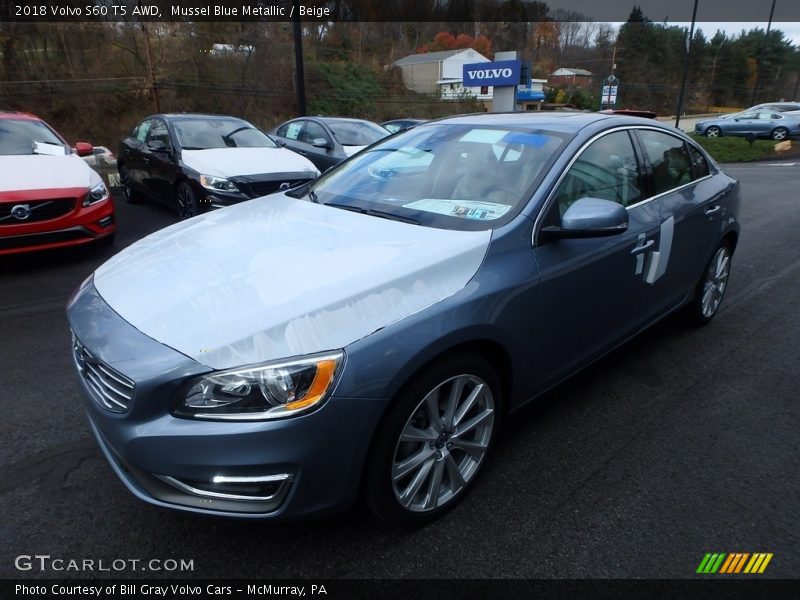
(195, 116)
(559, 122)
(21, 116)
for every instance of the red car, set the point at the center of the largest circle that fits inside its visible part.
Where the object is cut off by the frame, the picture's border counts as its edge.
(49, 197)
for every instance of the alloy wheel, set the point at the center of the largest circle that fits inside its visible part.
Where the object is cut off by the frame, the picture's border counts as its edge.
(716, 281)
(443, 443)
(713, 132)
(186, 208)
(780, 134)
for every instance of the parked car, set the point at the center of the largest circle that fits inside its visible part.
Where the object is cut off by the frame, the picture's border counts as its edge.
(196, 163)
(776, 107)
(762, 124)
(327, 141)
(49, 197)
(370, 331)
(100, 156)
(396, 125)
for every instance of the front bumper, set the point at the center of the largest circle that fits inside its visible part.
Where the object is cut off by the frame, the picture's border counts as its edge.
(290, 468)
(80, 226)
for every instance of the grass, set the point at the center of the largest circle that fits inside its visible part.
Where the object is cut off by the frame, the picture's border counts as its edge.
(736, 149)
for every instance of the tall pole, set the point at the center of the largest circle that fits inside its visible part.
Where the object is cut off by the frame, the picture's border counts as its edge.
(760, 55)
(298, 61)
(686, 67)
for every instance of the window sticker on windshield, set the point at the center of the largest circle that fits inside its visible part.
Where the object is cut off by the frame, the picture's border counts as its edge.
(49, 149)
(485, 136)
(466, 209)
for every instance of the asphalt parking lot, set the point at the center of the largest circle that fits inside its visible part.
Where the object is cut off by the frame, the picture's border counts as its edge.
(682, 442)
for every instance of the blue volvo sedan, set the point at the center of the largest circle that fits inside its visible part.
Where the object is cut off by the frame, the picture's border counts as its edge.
(366, 334)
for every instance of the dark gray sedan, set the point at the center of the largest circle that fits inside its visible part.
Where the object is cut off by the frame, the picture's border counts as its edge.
(327, 141)
(759, 123)
(369, 332)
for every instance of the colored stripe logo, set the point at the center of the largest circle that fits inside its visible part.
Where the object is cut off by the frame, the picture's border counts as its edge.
(734, 563)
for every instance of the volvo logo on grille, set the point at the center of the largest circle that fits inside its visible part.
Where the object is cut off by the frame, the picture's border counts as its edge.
(284, 186)
(21, 211)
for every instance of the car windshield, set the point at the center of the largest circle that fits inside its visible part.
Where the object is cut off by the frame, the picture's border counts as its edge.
(19, 136)
(464, 177)
(356, 133)
(197, 134)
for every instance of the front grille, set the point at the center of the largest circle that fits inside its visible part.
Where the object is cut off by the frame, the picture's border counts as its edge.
(263, 188)
(37, 239)
(110, 388)
(36, 210)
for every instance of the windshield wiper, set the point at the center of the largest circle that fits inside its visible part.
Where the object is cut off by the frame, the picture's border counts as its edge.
(374, 213)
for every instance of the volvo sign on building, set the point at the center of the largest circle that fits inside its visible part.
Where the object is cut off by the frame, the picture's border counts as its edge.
(498, 73)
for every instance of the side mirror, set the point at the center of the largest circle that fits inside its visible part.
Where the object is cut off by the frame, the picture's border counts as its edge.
(157, 146)
(280, 142)
(320, 143)
(83, 148)
(590, 217)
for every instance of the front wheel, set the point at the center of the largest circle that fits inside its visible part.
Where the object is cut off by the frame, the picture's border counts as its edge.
(188, 206)
(712, 286)
(780, 133)
(433, 441)
(713, 131)
(130, 195)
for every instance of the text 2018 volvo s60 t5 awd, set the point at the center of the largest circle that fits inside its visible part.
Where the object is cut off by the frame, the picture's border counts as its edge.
(369, 332)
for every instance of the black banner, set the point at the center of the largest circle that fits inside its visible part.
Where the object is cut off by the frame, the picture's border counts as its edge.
(397, 10)
(404, 589)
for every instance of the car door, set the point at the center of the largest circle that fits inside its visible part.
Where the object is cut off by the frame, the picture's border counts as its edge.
(159, 158)
(323, 157)
(289, 133)
(692, 211)
(597, 289)
(743, 124)
(131, 154)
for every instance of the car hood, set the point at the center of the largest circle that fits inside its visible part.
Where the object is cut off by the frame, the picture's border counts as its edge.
(279, 277)
(42, 172)
(230, 162)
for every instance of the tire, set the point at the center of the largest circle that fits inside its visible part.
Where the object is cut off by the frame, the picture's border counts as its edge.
(130, 195)
(779, 134)
(713, 131)
(423, 459)
(711, 287)
(187, 203)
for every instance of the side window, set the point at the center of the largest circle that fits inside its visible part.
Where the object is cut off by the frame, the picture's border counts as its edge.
(699, 163)
(313, 131)
(282, 130)
(159, 132)
(669, 159)
(141, 130)
(607, 169)
(293, 130)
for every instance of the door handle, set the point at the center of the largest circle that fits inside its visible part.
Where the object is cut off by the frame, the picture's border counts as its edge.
(304, 153)
(713, 209)
(642, 248)
(146, 161)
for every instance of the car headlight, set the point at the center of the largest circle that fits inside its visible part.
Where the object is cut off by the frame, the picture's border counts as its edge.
(97, 194)
(269, 391)
(217, 184)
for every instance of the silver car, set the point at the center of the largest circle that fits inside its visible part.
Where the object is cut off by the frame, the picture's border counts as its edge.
(759, 123)
(369, 332)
